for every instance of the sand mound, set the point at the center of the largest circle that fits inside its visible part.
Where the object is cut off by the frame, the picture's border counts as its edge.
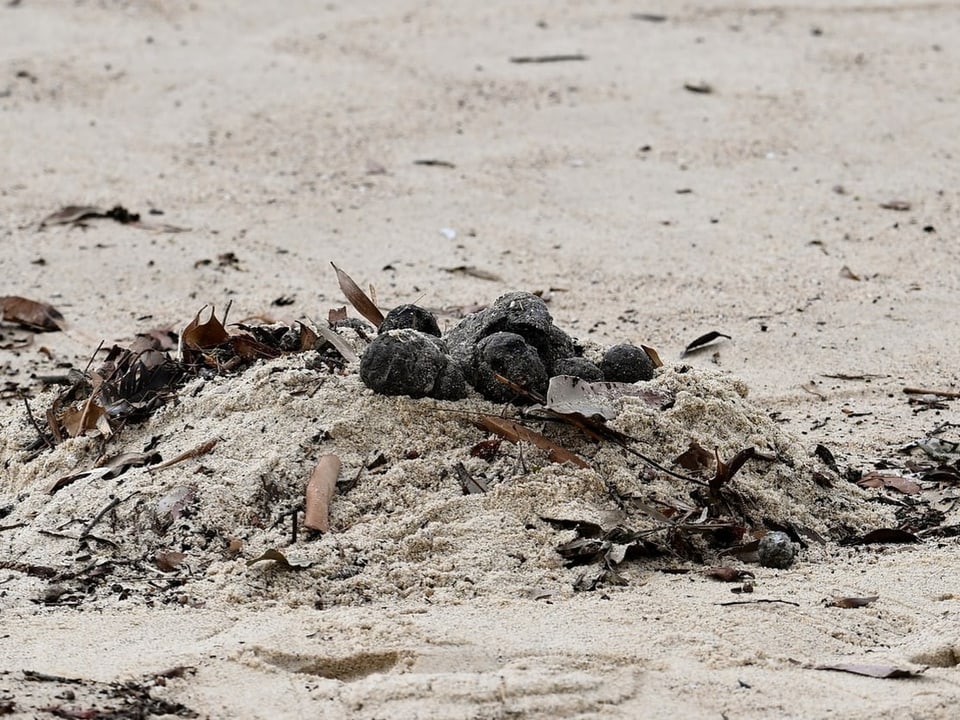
(404, 527)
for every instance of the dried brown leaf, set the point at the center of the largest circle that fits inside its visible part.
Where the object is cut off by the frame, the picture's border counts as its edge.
(848, 603)
(201, 449)
(169, 561)
(897, 205)
(71, 214)
(358, 298)
(724, 573)
(653, 355)
(319, 493)
(31, 314)
(202, 336)
(696, 458)
(897, 482)
(703, 341)
(515, 432)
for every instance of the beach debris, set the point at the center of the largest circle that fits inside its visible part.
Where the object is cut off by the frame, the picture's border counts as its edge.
(885, 480)
(194, 452)
(626, 363)
(109, 468)
(569, 395)
(280, 560)
(578, 367)
(172, 505)
(897, 205)
(413, 363)
(533, 59)
(78, 215)
(725, 573)
(695, 459)
(487, 449)
(432, 162)
(320, 489)
(515, 432)
(30, 314)
(649, 17)
(703, 341)
(950, 394)
(883, 535)
(508, 355)
(473, 271)
(776, 550)
(850, 603)
(169, 560)
(848, 274)
(358, 298)
(700, 87)
(883, 672)
(468, 483)
(410, 317)
(725, 471)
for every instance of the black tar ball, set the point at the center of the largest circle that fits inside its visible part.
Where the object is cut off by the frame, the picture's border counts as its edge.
(507, 354)
(412, 317)
(626, 363)
(578, 367)
(409, 362)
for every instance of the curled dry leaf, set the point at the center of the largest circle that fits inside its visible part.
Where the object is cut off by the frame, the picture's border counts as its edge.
(202, 336)
(31, 314)
(724, 573)
(696, 458)
(320, 489)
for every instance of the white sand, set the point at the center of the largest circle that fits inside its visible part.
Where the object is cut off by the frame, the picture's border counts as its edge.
(289, 137)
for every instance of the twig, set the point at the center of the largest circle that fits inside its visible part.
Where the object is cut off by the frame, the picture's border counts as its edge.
(110, 506)
(33, 421)
(201, 449)
(924, 391)
(760, 600)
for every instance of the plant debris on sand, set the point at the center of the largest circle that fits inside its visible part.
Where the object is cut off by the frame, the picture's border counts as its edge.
(170, 470)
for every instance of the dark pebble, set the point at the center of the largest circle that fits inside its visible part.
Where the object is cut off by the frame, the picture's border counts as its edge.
(626, 363)
(412, 317)
(507, 354)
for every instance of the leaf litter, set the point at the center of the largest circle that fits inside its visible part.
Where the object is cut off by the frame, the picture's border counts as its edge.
(439, 517)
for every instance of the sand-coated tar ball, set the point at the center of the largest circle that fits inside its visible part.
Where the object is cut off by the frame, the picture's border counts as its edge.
(507, 354)
(626, 363)
(578, 367)
(409, 362)
(412, 317)
(776, 550)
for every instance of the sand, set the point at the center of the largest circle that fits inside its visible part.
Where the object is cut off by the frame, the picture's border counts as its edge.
(643, 211)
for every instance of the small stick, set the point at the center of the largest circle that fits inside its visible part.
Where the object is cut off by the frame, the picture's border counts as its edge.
(296, 515)
(924, 391)
(201, 449)
(33, 420)
(110, 506)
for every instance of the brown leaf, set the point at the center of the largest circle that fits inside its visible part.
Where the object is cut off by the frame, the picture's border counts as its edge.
(31, 314)
(201, 336)
(335, 315)
(308, 338)
(726, 471)
(653, 355)
(883, 672)
(320, 489)
(897, 482)
(88, 416)
(169, 561)
(724, 573)
(695, 459)
(358, 298)
(250, 349)
(280, 559)
(515, 432)
(201, 449)
(846, 272)
(888, 535)
(486, 449)
(848, 603)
